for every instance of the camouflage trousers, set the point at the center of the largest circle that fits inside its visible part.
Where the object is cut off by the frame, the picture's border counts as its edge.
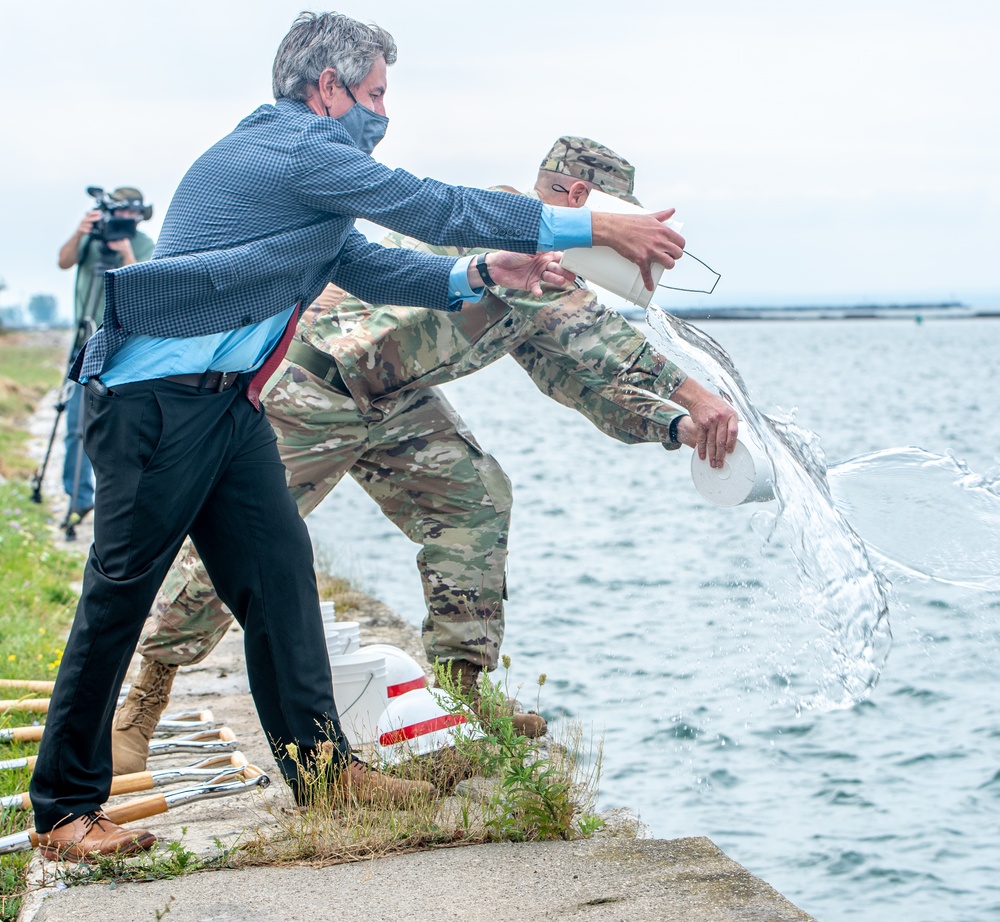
(423, 467)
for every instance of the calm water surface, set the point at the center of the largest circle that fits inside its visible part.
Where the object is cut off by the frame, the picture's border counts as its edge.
(659, 621)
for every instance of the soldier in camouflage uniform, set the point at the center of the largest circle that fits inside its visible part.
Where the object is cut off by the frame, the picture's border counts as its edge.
(358, 395)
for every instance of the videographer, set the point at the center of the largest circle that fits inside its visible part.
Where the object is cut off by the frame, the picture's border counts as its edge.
(107, 238)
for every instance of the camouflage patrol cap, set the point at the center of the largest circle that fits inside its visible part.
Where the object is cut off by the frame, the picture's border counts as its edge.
(584, 158)
(129, 195)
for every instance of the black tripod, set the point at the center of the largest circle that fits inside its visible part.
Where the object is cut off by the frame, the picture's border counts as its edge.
(84, 330)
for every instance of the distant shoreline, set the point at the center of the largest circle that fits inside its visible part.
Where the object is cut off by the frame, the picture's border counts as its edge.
(954, 310)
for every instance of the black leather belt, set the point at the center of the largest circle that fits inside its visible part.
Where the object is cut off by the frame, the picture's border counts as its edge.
(317, 363)
(207, 381)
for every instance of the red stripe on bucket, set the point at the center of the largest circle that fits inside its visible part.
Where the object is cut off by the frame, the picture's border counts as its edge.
(421, 728)
(394, 691)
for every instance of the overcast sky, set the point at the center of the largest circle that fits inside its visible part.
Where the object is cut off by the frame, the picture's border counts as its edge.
(816, 152)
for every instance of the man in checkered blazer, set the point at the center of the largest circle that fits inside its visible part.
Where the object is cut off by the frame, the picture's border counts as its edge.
(258, 226)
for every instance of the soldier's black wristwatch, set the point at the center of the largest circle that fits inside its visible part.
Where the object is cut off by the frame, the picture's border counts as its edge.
(484, 273)
(672, 431)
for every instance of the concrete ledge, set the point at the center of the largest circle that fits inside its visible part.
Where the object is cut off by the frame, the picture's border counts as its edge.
(687, 880)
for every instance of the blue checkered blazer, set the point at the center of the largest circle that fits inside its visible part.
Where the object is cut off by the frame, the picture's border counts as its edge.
(265, 218)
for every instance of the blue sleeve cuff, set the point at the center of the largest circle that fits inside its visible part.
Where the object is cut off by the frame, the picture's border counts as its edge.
(562, 228)
(458, 284)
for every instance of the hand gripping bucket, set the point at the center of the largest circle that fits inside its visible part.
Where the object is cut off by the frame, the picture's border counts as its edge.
(403, 672)
(359, 690)
(420, 722)
(604, 266)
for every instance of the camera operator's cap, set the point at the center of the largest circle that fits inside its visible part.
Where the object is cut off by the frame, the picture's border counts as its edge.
(132, 197)
(586, 159)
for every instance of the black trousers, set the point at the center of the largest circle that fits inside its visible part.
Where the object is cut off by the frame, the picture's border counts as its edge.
(172, 460)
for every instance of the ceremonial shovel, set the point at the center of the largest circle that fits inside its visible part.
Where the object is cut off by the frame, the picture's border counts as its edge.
(216, 769)
(153, 805)
(187, 720)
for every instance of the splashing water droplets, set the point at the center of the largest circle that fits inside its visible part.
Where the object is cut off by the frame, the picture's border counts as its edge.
(837, 588)
(926, 515)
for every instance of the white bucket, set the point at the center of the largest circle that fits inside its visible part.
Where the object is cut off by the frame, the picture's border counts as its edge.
(342, 637)
(403, 672)
(420, 722)
(359, 690)
(745, 476)
(336, 643)
(604, 266)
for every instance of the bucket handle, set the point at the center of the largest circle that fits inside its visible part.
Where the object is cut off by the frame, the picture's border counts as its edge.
(371, 678)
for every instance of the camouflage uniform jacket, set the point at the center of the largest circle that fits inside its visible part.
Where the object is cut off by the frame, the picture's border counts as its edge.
(576, 350)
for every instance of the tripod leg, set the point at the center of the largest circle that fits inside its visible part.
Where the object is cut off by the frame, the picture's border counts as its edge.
(36, 481)
(77, 477)
(84, 330)
(73, 513)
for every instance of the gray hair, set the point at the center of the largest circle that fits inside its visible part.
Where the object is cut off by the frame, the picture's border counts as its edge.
(317, 41)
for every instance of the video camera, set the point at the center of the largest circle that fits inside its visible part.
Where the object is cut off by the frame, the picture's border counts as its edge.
(109, 227)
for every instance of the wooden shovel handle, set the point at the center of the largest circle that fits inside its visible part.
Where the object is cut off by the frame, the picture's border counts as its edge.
(129, 784)
(27, 734)
(34, 705)
(120, 784)
(139, 809)
(28, 685)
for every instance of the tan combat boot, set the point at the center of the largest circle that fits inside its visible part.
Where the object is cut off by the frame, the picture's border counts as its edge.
(465, 675)
(138, 715)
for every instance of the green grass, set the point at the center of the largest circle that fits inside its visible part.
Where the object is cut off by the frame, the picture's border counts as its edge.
(539, 796)
(36, 599)
(36, 595)
(32, 365)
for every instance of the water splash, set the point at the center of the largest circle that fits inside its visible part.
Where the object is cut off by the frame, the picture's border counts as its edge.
(838, 587)
(926, 515)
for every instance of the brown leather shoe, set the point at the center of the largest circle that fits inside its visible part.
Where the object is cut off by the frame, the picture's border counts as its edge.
(92, 836)
(366, 785)
(465, 676)
(530, 725)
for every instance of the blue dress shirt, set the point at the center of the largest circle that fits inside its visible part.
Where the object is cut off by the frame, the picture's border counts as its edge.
(143, 357)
